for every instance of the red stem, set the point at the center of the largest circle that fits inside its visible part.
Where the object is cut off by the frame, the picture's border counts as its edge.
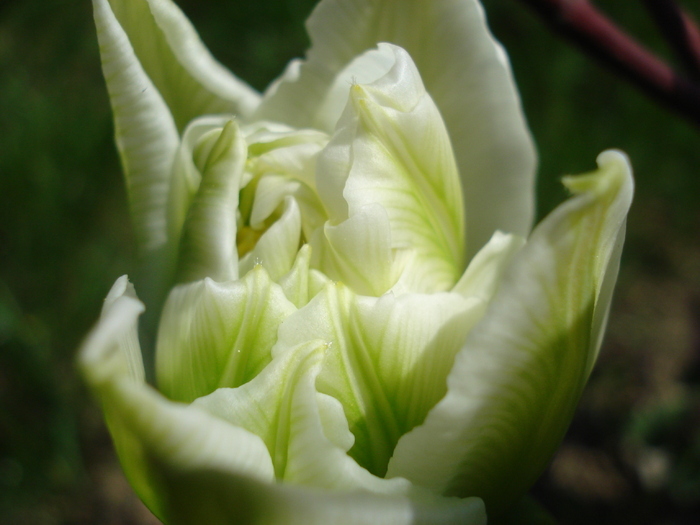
(580, 22)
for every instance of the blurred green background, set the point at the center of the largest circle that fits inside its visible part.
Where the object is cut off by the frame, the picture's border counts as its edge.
(633, 452)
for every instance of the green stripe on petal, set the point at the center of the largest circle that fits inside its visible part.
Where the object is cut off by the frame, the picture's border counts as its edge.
(208, 245)
(465, 71)
(184, 72)
(216, 335)
(516, 382)
(391, 151)
(145, 132)
(191, 468)
(159, 442)
(387, 359)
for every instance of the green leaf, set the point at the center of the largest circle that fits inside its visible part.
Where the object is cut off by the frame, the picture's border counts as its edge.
(215, 335)
(190, 81)
(516, 382)
(465, 71)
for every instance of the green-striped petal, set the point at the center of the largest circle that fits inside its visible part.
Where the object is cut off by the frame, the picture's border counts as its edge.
(516, 382)
(190, 81)
(465, 71)
(215, 335)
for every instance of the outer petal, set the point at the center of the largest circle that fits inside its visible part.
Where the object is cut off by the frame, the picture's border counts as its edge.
(182, 70)
(145, 132)
(466, 72)
(190, 467)
(516, 382)
(158, 441)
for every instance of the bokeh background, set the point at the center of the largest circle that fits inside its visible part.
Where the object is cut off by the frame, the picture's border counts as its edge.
(632, 454)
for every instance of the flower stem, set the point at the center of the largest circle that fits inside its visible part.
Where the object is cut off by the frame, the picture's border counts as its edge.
(581, 23)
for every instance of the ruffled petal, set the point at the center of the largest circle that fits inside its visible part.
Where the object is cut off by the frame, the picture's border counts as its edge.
(191, 467)
(465, 71)
(387, 359)
(215, 335)
(516, 382)
(190, 80)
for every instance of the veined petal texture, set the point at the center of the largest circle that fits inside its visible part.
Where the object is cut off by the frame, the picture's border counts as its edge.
(183, 71)
(390, 159)
(465, 71)
(516, 382)
(190, 466)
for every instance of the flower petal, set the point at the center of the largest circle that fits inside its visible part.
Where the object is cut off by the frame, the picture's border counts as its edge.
(145, 132)
(516, 382)
(215, 335)
(465, 71)
(484, 272)
(190, 80)
(387, 359)
(391, 150)
(277, 248)
(190, 467)
(159, 442)
(208, 245)
(348, 251)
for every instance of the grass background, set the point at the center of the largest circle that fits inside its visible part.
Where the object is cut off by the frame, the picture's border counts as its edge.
(633, 452)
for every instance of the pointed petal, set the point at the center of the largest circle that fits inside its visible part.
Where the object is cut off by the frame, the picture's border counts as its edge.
(216, 335)
(145, 132)
(466, 72)
(387, 360)
(190, 80)
(277, 248)
(186, 177)
(158, 442)
(516, 382)
(208, 245)
(190, 467)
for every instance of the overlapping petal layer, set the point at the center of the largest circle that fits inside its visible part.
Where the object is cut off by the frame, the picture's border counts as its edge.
(516, 382)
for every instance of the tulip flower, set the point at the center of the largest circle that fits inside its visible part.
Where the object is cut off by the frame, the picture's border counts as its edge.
(358, 324)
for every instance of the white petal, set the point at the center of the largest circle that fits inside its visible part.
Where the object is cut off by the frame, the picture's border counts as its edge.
(357, 251)
(517, 381)
(484, 272)
(145, 131)
(387, 359)
(466, 72)
(208, 245)
(191, 81)
(277, 248)
(216, 335)
(163, 446)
